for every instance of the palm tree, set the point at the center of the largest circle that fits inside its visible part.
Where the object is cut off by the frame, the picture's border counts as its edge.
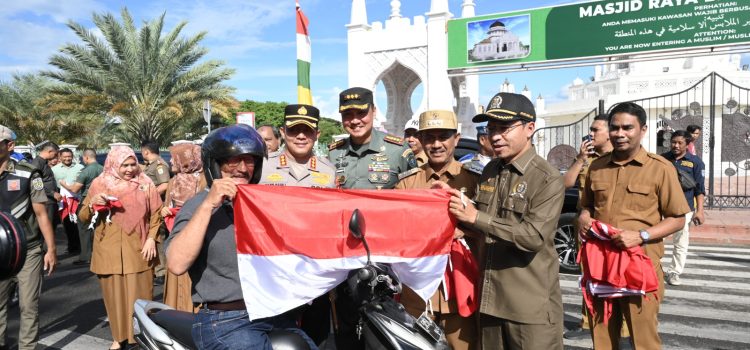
(28, 107)
(149, 80)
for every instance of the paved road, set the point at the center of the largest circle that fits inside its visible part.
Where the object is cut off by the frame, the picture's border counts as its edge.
(711, 310)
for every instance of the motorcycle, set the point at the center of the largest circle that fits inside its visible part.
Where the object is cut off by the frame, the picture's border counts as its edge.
(383, 322)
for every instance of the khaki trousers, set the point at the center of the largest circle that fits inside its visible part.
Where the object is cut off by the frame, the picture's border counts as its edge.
(681, 240)
(119, 293)
(29, 281)
(640, 314)
(502, 334)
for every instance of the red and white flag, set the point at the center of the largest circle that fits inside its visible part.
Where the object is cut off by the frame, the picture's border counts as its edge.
(293, 243)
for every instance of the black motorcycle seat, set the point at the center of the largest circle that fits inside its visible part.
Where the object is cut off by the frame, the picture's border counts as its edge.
(287, 340)
(178, 324)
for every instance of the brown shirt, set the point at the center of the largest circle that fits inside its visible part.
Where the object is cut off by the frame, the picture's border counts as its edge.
(157, 171)
(421, 158)
(456, 177)
(115, 251)
(635, 195)
(519, 205)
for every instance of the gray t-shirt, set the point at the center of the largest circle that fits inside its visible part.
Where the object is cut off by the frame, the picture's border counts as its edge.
(215, 275)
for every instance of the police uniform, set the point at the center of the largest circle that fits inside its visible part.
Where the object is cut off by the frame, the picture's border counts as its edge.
(21, 185)
(375, 165)
(518, 208)
(281, 169)
(460, 331)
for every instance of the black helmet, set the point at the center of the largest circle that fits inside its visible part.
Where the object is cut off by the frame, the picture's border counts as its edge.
(12, 245)
(231, 141)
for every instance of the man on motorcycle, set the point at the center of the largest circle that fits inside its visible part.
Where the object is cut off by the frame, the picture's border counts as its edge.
(203, 244)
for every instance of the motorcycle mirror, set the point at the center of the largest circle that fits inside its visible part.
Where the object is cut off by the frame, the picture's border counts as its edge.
(357, 225)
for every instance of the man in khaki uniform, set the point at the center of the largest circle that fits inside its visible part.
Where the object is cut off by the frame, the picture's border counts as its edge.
(158, 171)
(412, 140)
(439, 137)
(296, 165)
(632, 190)
(518, 204)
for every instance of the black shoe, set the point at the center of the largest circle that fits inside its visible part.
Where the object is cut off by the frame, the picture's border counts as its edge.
(158, 281)
(577, 333)
(81, 262)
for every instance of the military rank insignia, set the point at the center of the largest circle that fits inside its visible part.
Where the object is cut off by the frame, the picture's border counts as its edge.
(394, 140)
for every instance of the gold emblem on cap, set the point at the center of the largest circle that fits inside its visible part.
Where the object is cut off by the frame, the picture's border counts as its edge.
(496, 101)
(302, 111)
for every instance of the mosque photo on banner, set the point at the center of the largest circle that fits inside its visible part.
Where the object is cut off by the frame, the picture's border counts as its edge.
(500, 38)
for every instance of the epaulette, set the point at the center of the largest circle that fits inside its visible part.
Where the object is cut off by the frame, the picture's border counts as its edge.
(394, 139)
(335, 145)
(408, 173)
(473, 167)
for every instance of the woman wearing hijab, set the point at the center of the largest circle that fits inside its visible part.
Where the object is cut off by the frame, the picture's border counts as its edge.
(125, 207)
(187, 182)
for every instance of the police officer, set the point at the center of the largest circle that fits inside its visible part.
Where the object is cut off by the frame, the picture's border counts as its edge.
(296, 165)
(518, 204)
(368, 159)
(22, 194)
(477, 161)
(158, 171)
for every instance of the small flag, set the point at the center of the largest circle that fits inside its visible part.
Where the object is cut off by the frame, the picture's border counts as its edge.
(304, 56)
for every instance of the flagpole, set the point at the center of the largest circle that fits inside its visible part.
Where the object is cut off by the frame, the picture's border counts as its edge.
(304, 57)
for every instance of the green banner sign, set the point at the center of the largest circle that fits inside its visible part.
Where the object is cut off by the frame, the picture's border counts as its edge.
(595, 29)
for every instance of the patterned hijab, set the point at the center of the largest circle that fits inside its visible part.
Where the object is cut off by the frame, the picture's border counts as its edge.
(188, 169)
(138, 195)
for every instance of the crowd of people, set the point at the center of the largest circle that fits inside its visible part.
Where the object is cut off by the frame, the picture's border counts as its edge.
(136, 225)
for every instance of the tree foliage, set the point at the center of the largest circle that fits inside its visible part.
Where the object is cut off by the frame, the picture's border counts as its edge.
(146, 77)
(29, 108)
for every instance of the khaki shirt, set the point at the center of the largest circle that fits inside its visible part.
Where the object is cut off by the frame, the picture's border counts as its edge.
(635, 195)
(157, 171)
(375, 165)
(421, 158)
(318, 172)
(519, 206)
(456, 177)
(21, 185)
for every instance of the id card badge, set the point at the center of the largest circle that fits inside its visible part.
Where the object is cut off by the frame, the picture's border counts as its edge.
(426, 324)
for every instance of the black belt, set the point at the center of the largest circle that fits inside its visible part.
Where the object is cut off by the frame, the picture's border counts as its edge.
(228, 306)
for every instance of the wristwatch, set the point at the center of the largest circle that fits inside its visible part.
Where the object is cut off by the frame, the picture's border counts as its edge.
(644, 236)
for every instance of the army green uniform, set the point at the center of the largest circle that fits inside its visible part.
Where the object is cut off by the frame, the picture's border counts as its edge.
(279, 170)
(375, 165)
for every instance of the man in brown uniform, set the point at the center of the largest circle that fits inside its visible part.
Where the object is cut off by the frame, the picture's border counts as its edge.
(632, 190)
(439, 137)
(518, 204)
(158, 171)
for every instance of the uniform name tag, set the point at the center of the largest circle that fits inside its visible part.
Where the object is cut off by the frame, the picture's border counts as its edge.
(487, 188)
(14, 185)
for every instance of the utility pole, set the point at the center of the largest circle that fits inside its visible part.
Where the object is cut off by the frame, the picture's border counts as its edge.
(207, 113)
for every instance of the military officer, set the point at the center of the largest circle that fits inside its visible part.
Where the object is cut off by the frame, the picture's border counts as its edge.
(296, 165)
(438, 133)
(518, 204)
(368, 159)
(156, 168)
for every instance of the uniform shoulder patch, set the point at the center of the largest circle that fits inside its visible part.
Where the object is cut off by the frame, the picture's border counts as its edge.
(336, 145)
(406, 153)
(408, 173)
(394, 139)
(37, 184)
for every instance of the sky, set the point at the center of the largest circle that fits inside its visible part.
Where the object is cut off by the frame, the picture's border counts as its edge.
(255, 37)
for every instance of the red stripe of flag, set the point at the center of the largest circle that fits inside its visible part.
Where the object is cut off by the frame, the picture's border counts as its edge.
(271, 220)
(302, 22)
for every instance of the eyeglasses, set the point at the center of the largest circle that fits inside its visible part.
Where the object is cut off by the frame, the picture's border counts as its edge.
(234, 162)
(502, 130)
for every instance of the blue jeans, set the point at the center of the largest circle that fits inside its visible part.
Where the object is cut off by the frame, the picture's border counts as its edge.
(214, 329)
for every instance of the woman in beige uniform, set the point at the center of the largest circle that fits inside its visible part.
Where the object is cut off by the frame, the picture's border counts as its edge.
(188, 181)
(124, 252)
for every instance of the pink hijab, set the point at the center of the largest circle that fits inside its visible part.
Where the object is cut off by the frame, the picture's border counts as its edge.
(137, 195)
(188, 169)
